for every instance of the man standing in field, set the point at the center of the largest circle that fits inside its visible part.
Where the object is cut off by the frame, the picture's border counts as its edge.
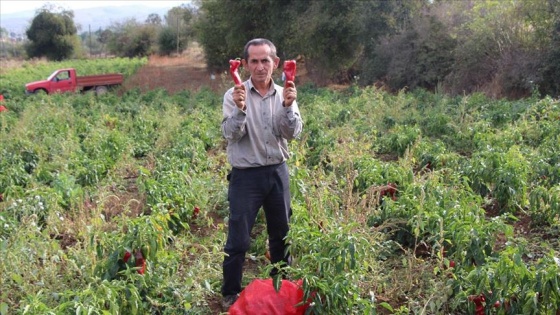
(259, 118)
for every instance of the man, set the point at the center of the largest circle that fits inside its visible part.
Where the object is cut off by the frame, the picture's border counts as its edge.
(259, 118)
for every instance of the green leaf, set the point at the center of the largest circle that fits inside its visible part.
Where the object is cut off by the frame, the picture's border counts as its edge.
(386, 306)
(17, 278)
(3, 308)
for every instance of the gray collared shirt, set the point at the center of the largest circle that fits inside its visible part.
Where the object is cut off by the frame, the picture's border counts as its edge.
(259, 136)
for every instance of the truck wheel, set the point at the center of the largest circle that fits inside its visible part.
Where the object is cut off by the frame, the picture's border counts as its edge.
(102, 89)
(40, 92)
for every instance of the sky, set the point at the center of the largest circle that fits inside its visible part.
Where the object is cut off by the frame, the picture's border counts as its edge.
(13, 6)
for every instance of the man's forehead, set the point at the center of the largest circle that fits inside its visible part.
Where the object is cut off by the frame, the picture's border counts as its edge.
(259, 52)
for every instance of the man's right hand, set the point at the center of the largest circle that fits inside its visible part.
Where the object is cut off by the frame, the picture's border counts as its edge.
(239, 96)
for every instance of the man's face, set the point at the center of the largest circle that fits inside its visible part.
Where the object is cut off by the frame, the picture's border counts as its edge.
(260, 64)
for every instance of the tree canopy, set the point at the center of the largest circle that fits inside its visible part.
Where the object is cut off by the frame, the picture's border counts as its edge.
(52, 35)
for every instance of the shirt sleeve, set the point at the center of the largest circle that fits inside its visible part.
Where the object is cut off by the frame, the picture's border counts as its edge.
(234, 120)
(288, 121)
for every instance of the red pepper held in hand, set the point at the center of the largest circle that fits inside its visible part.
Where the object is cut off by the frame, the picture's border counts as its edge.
(233, 70)
(289, 70)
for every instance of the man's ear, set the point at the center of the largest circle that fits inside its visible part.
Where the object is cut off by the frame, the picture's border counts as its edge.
(276, 62)
(243, 63)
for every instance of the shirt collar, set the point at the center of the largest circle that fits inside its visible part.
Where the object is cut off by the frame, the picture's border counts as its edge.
(271, 91)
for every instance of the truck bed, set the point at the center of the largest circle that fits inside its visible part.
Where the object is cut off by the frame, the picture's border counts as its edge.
(97, 80)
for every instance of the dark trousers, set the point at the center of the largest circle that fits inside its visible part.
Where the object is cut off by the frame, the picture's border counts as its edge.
(249, 189)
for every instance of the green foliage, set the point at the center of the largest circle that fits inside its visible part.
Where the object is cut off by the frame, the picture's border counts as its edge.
(498, 46)
(517, 287)
(179, 29)
(329, 267)
(303, 28)
(167, 41)
(503, 49)
(327, 35)
(85, 179)
(398, 140)
(420, 57)
(550, 83)
(132, 39)
(52, 35)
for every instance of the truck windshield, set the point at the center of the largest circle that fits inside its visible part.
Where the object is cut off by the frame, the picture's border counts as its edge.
(52, 75)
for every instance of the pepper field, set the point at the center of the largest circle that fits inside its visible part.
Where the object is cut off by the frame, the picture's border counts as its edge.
(407, 203)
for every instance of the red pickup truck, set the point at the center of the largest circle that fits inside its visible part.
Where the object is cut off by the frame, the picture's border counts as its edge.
(66, 80)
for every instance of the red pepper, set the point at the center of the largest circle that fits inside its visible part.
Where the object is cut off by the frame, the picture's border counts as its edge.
(2, 107)
(196, 211)
(289, 70)
(389, 190)
(479, 301)
(140, 262)
(233, 70)
(126, 256)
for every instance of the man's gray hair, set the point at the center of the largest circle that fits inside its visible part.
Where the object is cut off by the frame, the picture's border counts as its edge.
(258, 42)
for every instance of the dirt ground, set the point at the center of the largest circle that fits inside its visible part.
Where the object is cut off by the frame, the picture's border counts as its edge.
(177, 73)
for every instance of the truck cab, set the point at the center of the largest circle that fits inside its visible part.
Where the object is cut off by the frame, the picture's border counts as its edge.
(60, 81)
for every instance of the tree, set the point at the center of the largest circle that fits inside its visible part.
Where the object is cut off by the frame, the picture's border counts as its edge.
(324, 32)
(329, 37)
(376, 24)
(226, 25)
(550, 83)
(501, 45)
(421, 56)
(154, 19)
(52, 35)
(178, 30)
(132, 39)
(168, 41)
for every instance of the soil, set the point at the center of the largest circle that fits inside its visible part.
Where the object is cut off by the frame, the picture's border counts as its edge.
(174, 74)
